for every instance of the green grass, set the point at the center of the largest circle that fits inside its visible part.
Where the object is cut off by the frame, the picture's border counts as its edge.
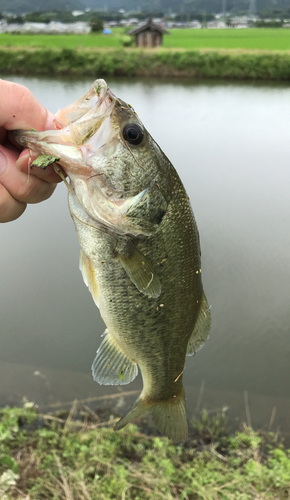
(99, 54)
(247, 39)
(166, 63)
(63, 41)
(79, 457)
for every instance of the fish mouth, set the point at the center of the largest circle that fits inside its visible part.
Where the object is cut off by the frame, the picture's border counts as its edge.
(85, 139)
(75, 136)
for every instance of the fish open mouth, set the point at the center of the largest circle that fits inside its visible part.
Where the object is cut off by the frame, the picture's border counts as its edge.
(81, 130)
(93, 140)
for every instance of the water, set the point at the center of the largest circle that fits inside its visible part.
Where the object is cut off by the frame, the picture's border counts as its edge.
(230, 145)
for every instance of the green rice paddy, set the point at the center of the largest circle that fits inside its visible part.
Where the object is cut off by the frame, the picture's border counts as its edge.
(246, 38)
(241, 39)
(62, 41)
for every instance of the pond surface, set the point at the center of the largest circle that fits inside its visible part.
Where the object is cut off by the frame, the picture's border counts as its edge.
(230, 145)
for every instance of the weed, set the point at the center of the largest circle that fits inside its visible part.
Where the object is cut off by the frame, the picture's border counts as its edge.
(77, 456)
(130, 62)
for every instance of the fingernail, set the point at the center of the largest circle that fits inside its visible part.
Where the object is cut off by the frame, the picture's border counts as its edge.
(3, 162)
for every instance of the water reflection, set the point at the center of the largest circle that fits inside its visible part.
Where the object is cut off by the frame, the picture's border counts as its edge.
(229, 143)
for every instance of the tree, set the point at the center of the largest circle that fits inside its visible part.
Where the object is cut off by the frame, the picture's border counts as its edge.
(96, 25)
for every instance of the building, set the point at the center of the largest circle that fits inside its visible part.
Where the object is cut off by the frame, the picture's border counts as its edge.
(216, 24)
(239, 22)
(148, 34)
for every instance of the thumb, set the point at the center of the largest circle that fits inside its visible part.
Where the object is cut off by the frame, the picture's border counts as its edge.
(10, 208)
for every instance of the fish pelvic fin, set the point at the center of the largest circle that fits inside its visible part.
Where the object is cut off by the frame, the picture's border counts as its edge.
(89, 277)
(201, 328)
(168, 416)
(111, 365)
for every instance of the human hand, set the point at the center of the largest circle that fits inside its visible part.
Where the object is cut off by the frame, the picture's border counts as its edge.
(19, 184)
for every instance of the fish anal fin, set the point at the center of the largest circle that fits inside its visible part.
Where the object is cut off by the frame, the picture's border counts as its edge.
(168, 416)
(201, 328)
(139, 270)
(111, 365)
(89, 277)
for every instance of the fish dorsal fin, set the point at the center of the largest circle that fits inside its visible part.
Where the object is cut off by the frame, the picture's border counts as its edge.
(201, 328)
(111, 365)
(89, 277)
(139, 269)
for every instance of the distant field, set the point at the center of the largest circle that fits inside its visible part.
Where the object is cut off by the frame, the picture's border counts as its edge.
(63, 41)
(248, 39)
(245, 38)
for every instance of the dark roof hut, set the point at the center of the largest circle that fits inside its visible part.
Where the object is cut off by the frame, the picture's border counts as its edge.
(148, 34)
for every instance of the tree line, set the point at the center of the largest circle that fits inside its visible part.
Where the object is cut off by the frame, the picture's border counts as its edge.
(265, 8)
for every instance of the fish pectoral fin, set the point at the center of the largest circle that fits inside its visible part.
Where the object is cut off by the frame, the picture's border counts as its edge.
(89, 277)
(111, 365)
(201, 328)
(139, 270)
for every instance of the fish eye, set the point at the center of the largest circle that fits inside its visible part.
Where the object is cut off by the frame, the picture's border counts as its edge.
(133, 133)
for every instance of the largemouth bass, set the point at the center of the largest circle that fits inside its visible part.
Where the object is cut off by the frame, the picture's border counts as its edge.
(140, 251)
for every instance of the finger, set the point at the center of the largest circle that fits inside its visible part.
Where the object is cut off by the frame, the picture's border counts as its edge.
(10, 209)
(19, 109)
(22, 187)
(24, 165)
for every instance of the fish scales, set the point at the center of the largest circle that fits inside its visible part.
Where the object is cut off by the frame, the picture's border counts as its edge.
(127, 312)
(140, 253)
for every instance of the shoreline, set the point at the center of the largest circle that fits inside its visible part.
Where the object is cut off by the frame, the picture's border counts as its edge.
(76, 454)
(192, 64)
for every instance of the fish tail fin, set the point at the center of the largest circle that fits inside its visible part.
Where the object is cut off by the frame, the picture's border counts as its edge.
(139, 409)
(168, 416)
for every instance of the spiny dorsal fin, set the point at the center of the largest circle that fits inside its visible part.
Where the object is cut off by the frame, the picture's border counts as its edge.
(201, 328)
(111, 365)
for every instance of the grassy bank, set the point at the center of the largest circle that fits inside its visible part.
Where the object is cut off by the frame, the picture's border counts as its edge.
(79, 457)
(132, 62)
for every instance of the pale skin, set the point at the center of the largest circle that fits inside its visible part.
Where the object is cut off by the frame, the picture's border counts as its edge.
(19, 184)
